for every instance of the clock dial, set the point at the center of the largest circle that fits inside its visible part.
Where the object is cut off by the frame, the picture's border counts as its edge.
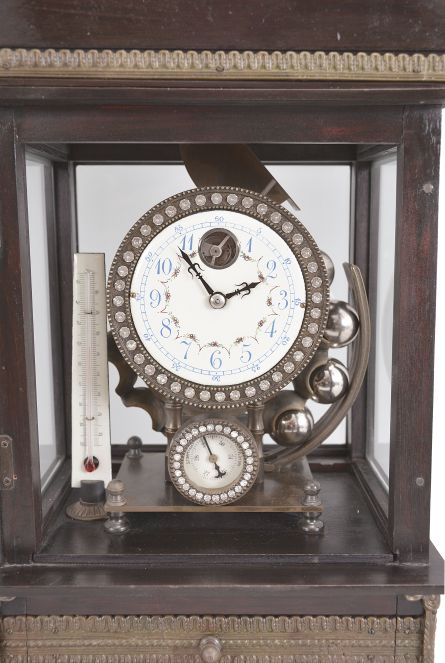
(232, 336)
(213, 461)
(218, 297)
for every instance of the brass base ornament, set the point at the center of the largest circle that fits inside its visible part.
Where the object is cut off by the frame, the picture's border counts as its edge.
(144, 639)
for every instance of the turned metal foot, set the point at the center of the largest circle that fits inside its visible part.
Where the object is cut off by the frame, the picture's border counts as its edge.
(90, 505)
(134, 445)
(311, 521)
(117, 522)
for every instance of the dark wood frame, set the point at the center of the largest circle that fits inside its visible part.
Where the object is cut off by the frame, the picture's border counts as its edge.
(100, 128)
(370, 26)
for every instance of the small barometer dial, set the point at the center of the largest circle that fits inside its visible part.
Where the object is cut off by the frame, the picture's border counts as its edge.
(218, 297)
(213, 461)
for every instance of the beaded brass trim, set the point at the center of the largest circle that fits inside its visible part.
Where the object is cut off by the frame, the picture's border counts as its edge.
(163, 639)
(201, 65)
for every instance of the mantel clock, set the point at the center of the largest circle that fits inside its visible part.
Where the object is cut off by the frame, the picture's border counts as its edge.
(218, 268)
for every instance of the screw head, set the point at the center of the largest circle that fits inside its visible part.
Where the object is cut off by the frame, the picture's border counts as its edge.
(217, 300)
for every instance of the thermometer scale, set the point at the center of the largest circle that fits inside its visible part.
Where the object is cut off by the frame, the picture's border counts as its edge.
(91, 446)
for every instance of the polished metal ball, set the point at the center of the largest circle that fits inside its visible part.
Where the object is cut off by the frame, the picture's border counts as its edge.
(329, 267)
(293, 427)
(329, 382)
(342, 325)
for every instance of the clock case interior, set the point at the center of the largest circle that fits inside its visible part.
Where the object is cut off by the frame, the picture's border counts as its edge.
(361, 513)
(284, 482)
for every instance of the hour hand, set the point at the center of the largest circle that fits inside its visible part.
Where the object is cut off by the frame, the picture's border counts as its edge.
(196, 269)
(221, 473)
(242, 289)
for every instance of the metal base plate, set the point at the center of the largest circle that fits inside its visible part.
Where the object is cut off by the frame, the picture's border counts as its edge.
(147, 491)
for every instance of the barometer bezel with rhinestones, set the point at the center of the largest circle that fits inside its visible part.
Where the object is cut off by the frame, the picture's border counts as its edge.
(231, 492)
(172, 386)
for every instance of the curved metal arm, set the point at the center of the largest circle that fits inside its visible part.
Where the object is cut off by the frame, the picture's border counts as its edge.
(359, 363)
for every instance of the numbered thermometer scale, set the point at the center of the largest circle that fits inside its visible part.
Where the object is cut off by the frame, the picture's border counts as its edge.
(91, 450)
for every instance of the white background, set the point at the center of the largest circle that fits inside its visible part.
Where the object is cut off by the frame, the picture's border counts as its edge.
(438, 479)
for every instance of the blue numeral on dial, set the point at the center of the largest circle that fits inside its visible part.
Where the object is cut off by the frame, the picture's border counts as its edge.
(155, 298)
(187, 243)
(284, 301)
(215, 360)
(166, 330)
(271, 329)
(246, 354)
(187, 344)
(164, 266)
(272, 267)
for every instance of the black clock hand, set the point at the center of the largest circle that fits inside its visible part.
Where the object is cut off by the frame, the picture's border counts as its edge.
(242, 288)
(207, 445)
(220, 473)
(196, 269)
(217, 467)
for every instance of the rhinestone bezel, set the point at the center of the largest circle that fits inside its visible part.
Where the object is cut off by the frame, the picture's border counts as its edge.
(299, 241)
(213, 497)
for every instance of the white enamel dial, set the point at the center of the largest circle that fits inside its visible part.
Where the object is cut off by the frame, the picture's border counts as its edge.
(213, 461)
(245, 334)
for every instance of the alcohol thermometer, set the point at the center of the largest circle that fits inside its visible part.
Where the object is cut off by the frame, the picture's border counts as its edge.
(91, 446)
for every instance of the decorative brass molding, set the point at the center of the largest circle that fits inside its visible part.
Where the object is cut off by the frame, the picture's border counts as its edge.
(207, 65)
(143, 639)
(431, 605)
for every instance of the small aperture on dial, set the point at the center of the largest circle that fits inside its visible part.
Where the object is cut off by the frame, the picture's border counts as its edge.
(218, 248)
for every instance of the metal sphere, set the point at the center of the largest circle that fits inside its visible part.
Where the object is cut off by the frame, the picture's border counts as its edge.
(342, 325)
(329, 382)
(293, 427)
(329, 267)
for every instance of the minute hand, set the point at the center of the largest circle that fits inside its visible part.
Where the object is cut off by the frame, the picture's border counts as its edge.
(196, 269)
(242, 289)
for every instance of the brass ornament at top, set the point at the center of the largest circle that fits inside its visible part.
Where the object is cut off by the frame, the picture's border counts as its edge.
(220, 65)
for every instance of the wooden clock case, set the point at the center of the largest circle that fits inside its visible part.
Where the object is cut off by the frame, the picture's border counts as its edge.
(369, 586)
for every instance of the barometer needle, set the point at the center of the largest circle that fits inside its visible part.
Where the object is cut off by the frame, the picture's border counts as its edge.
(196, 269)
(221, 473)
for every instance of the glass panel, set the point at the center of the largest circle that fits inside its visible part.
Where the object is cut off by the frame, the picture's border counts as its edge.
(109, 200)
(383, 220)
(112, 197)
(50, 456)
(323, 194)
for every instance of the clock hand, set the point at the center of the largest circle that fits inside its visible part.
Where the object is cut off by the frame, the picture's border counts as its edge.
(213, 460)
(207, 445)
(220, 473)
(243, 288)
(221, 244)
(196, 269)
